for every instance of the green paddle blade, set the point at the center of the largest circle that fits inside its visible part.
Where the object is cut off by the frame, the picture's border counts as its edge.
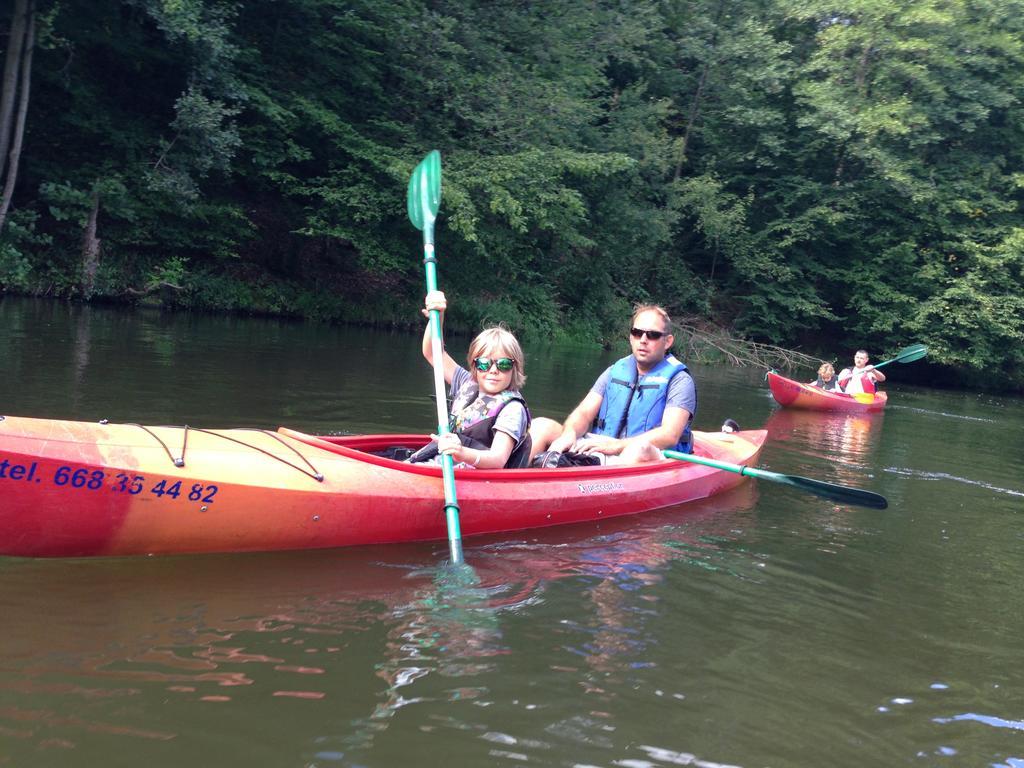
(912, 353)
(830, 491)
(424, 198)
(841, 493)
(907, 355)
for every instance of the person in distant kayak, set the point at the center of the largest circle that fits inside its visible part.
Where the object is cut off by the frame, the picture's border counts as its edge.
(861, 378)
(826, 378)
(640, 405)
(489, 419)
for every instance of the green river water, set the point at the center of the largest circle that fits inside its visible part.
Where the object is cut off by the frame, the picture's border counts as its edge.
(765, 627)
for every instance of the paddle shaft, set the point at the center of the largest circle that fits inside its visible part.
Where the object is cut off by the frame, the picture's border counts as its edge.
(831, 491)
(451, 506)
(424, 197)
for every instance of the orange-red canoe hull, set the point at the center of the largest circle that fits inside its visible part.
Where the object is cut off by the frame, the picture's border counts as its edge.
(793, 394)
(72, 489)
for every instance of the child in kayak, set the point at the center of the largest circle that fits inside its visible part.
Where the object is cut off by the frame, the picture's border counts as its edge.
(489, 419)
(826, 378)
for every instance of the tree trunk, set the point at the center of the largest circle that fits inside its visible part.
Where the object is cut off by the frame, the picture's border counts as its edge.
(691, 119)
(19, 127)
(91, 248)
(10, 83)
(861, 79)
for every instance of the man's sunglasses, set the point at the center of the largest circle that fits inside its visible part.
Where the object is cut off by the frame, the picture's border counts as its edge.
(483, 364)
(637, 333)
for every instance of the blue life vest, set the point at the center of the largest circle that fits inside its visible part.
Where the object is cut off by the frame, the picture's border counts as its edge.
(633, 405)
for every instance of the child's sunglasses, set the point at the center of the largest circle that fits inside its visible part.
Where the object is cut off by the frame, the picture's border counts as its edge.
(483, 364)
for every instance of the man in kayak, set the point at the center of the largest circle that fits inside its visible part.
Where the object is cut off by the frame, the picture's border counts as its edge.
(640, 405)
(861, 378)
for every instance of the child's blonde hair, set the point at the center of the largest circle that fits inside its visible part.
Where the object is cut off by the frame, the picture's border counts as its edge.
(499, 342)
(826, 368)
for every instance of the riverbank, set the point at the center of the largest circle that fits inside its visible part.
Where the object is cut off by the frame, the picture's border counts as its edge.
(697, 340)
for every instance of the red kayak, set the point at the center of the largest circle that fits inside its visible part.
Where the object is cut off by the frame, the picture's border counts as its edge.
(71, 489)
(793, 394)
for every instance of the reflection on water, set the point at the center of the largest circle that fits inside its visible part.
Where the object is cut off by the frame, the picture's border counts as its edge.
(368, 633)
(450, 629)
(237, 631)
(836, 437)
(80, 352)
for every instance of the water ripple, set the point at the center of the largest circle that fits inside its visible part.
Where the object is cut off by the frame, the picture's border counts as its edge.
(995, 722)
(924, 475)
(672, 758)
(943, 414)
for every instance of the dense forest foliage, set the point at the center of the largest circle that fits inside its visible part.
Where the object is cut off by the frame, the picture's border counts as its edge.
(819, 175)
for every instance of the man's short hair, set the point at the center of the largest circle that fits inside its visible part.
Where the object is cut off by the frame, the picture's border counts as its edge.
(639, 309)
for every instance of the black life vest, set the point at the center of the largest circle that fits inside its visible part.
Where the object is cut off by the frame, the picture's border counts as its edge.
(473, 419)
(831, 385)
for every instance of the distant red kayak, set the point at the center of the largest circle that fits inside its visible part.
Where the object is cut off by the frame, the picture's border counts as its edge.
(794, 394)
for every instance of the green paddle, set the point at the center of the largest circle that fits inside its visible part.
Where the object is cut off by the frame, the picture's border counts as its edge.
(907, 355)
(839, 493)
(424, 199)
